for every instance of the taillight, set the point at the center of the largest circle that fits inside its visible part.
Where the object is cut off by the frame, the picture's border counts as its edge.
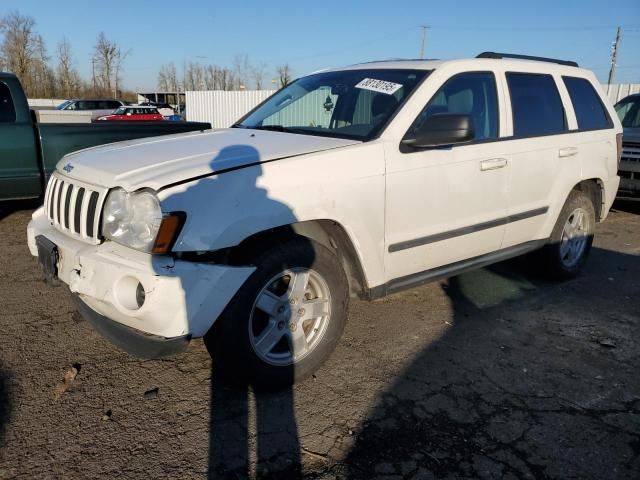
(619, 145)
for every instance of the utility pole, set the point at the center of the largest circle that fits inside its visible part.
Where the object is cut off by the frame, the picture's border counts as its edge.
(614, 55)
(424, 39)
(93, 74)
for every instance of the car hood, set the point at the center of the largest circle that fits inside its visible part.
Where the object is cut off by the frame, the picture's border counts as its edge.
(160, 161)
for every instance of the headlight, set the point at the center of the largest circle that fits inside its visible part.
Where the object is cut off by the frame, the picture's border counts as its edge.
(132, 219)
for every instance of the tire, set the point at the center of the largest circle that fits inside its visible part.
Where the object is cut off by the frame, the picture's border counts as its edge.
(258, 339)
(571, 239)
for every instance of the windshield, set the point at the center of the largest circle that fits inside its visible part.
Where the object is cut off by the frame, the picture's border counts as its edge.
(63, 105)
(354, 104)
(628, 111)
(120, 111)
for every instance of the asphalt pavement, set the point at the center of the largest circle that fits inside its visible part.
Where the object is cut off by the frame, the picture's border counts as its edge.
(496, 373)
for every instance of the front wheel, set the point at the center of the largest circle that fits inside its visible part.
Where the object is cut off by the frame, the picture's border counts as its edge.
(571, 238)
(285, 320)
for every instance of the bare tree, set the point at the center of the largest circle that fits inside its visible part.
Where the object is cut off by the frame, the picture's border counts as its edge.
(107, 59)
(43, 81)
(258, 72)
(19, 46)
(284, 75)
(241, 70)
(194, 76)
(68, 78)
(168, 78)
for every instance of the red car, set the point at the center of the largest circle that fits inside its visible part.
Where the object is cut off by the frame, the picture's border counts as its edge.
(134, 113)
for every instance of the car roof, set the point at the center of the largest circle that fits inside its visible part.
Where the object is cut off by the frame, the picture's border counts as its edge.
(93, 100)
(413, 64)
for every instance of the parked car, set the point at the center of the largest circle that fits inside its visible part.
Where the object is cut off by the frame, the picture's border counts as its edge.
(165, 109)
(134, 113)
(30, 150)
(363, 180)
(628, 110)
(97, 107)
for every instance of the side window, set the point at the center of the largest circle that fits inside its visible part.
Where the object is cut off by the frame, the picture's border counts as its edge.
(472, 93)
(590, 112)
(113, 105)
(7, 109)
(536, 105)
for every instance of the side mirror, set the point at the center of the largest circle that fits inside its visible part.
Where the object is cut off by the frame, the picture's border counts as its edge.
(441, 129)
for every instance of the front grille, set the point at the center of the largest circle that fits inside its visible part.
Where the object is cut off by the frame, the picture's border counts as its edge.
(631, 152)
(74, 207)
(629, 170)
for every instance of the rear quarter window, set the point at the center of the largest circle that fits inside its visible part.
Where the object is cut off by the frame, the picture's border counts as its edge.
(7, 109)
(536, 105)
(590, 112)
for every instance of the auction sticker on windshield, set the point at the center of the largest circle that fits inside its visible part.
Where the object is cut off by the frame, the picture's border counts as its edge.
(381, 86)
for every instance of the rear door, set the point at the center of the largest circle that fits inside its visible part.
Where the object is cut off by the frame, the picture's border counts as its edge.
(19, 167)
(542, 153)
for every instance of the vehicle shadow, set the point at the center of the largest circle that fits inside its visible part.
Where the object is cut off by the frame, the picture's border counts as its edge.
(252, 431)
(5, 404)
(521, 383)
(9, 207)
(629, 206)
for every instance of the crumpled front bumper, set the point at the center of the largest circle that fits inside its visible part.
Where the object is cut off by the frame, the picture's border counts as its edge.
(181, 299)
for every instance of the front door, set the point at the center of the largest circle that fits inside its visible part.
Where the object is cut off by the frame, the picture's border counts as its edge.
(447, 204)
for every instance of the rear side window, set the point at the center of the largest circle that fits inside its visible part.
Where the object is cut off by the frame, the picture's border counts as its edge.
(472, 93)
(536, 105)
(7, 110)
(586, 102)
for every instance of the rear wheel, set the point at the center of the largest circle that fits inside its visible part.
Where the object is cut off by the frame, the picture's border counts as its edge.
(286, 319)
(572, 237)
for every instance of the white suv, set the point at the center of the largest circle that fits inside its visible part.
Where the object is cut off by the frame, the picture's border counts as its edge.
(361, 180)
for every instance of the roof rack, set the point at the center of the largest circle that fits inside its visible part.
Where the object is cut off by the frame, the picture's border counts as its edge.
(568, 63)
(399, 60)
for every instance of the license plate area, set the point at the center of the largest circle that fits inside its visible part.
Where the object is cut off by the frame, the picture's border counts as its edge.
(48, 257)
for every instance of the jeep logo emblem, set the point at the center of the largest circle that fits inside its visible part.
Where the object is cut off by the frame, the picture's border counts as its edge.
(67, 168)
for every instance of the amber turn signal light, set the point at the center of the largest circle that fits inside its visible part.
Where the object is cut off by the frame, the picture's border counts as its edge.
(168, 232)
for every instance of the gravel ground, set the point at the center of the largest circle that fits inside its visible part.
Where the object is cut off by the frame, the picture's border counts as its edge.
(492, 374)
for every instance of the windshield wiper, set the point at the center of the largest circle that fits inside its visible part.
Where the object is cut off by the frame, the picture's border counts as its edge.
(275, 128)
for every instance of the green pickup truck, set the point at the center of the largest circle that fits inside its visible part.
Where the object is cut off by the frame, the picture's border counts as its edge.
(29, 151)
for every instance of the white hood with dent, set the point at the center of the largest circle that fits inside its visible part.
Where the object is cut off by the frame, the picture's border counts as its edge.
(159, 161)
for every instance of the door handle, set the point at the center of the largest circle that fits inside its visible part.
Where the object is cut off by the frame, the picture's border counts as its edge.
(493, 164)
(567, 152)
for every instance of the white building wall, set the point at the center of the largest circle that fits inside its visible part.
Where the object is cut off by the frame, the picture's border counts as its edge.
(223, 108)
(620, 90)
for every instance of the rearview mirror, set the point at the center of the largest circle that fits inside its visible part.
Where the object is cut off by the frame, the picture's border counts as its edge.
(441, 129)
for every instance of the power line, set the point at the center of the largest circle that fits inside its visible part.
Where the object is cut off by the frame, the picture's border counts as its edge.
(631, 27)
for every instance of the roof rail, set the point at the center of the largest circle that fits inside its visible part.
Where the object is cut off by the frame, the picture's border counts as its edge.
(568, 63)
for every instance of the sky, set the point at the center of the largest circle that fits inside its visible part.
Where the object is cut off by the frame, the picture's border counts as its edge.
(311, 36)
